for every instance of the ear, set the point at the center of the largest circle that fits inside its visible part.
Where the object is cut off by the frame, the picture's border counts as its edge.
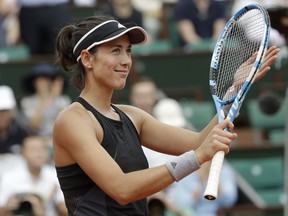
(86, 58)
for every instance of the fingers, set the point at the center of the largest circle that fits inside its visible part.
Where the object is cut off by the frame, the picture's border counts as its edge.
(270, 58)
(224, 136)
(252, 58)
(226, 124)
(218, 139)
(271, 50)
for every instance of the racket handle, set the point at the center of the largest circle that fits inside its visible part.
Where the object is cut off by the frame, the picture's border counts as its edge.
(214, 176)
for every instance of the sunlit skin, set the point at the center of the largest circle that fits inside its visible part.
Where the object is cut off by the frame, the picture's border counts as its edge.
(78, 135)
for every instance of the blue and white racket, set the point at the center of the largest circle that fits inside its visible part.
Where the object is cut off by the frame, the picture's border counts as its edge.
(236, 60)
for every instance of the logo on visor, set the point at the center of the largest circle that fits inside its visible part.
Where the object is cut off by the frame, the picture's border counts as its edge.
(120, 26)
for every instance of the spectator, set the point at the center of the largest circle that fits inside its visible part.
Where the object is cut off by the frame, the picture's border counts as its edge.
(189, 194)
(9, 24)
(169, 111)
(12, 131)
(199, 20)
(124, 12)
(39, 23)
(34, 183)
(144, 94)
(152, 14)
(45, 85)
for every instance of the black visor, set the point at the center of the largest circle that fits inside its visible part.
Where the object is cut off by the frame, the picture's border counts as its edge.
(108, 31)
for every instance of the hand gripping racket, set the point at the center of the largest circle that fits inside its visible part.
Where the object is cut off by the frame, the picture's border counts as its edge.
(236, 60)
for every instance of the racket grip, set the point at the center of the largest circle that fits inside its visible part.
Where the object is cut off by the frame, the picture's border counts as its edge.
(214, 176)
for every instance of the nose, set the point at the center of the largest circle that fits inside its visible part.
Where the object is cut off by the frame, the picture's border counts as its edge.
(126, 59)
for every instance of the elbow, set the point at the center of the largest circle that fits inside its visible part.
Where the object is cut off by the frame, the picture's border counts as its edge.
(124, 197)
(123, 202)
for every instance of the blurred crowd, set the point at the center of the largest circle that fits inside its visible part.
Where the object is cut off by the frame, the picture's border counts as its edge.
(196, 23)
(28, 181)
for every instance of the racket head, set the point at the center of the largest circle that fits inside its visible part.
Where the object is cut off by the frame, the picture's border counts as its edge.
(238, 54)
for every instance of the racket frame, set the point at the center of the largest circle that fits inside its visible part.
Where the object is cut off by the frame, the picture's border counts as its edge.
(211, 191)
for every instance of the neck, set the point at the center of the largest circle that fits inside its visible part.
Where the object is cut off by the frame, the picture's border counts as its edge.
(98, 98)
(101, 103)
(44, 95)
(35, 172)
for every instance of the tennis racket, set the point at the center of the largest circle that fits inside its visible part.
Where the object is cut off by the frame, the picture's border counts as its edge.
(236, 60)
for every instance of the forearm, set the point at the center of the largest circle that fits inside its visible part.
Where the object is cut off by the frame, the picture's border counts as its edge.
(204, 133)
(187, 31)
(141, 184)
(218, 27)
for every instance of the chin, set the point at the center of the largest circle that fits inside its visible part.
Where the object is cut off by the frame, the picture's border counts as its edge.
(120, 87)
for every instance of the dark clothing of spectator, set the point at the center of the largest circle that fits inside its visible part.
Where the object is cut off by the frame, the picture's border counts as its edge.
(203, 22)
(136, 16)
(39, 26)
(15, 135)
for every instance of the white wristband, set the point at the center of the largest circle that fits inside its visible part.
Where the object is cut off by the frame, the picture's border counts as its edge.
(183, 165)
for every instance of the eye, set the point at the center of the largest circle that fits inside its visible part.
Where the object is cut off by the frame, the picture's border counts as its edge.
(117, 50)
(129, 50)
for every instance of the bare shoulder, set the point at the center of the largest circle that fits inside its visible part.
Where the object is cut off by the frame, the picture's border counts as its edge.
(73, 127)
(71, 120)
(74, 112)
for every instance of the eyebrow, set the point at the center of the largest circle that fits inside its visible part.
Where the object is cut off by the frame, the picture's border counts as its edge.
(119, 46)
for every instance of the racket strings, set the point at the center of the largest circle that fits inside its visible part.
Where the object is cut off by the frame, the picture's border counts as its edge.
(238, 54)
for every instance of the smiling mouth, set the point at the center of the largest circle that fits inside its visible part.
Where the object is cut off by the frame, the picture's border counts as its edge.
(121, 71)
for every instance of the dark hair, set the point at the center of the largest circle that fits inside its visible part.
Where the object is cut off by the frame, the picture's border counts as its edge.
(67, 38)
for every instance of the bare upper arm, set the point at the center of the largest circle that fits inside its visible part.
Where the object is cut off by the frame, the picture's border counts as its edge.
(76, 141)
(161, 137)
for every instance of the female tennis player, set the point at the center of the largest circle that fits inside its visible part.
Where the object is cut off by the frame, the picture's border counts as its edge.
(99, 161)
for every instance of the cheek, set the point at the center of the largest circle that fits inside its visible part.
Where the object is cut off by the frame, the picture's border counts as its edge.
(5, 118)
(103, 69)
(42, 83)
(105, 63)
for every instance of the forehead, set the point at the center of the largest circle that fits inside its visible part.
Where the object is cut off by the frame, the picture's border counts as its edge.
(146, 84)
(33, 141)
(144, 87)
(120, 41)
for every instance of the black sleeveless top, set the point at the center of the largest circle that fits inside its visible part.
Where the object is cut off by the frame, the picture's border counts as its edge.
(82, 196)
